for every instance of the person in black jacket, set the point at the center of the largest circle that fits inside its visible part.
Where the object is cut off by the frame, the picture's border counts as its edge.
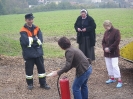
(85, 27)
(31, 42)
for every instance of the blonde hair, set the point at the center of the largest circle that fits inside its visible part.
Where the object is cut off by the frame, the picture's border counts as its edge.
(107, 23)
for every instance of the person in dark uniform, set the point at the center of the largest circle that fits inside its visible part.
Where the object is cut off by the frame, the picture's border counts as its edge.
(85, 27)
(31, 42)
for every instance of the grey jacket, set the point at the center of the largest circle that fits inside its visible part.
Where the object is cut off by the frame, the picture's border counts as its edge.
(75, 59)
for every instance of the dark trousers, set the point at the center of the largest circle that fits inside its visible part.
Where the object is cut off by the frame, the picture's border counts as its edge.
(29, 66)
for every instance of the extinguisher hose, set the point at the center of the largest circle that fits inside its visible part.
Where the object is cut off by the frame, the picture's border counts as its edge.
(58, 87)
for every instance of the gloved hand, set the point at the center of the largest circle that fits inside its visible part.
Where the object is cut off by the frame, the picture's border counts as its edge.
(39, 42)
(30, 41)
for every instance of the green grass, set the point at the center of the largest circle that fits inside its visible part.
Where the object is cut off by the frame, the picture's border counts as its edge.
(52, 50)
(56, 23)
(59, 23)
(9, 46)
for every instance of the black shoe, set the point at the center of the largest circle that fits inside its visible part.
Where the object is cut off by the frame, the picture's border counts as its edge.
(30, 87)
(45, 86)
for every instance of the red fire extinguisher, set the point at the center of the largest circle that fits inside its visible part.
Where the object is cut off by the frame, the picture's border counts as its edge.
(64, 91)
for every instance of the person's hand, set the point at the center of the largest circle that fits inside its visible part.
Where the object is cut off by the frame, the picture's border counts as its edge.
(54, 73)
(107, 50)
(36, 36)
(39, 42)
(84, 29)
(79, 30)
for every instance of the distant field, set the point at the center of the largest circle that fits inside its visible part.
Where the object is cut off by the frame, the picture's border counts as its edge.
(58, 23)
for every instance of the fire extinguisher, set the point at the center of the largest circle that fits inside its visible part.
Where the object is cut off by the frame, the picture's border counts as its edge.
(63, 90)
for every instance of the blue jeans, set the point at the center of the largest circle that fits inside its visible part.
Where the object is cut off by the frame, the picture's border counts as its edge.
(80, 88)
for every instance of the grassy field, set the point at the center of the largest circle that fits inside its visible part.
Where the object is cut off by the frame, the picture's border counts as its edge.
(59, 23)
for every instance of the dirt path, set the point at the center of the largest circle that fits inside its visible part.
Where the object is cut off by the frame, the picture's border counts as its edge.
(13, 86)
